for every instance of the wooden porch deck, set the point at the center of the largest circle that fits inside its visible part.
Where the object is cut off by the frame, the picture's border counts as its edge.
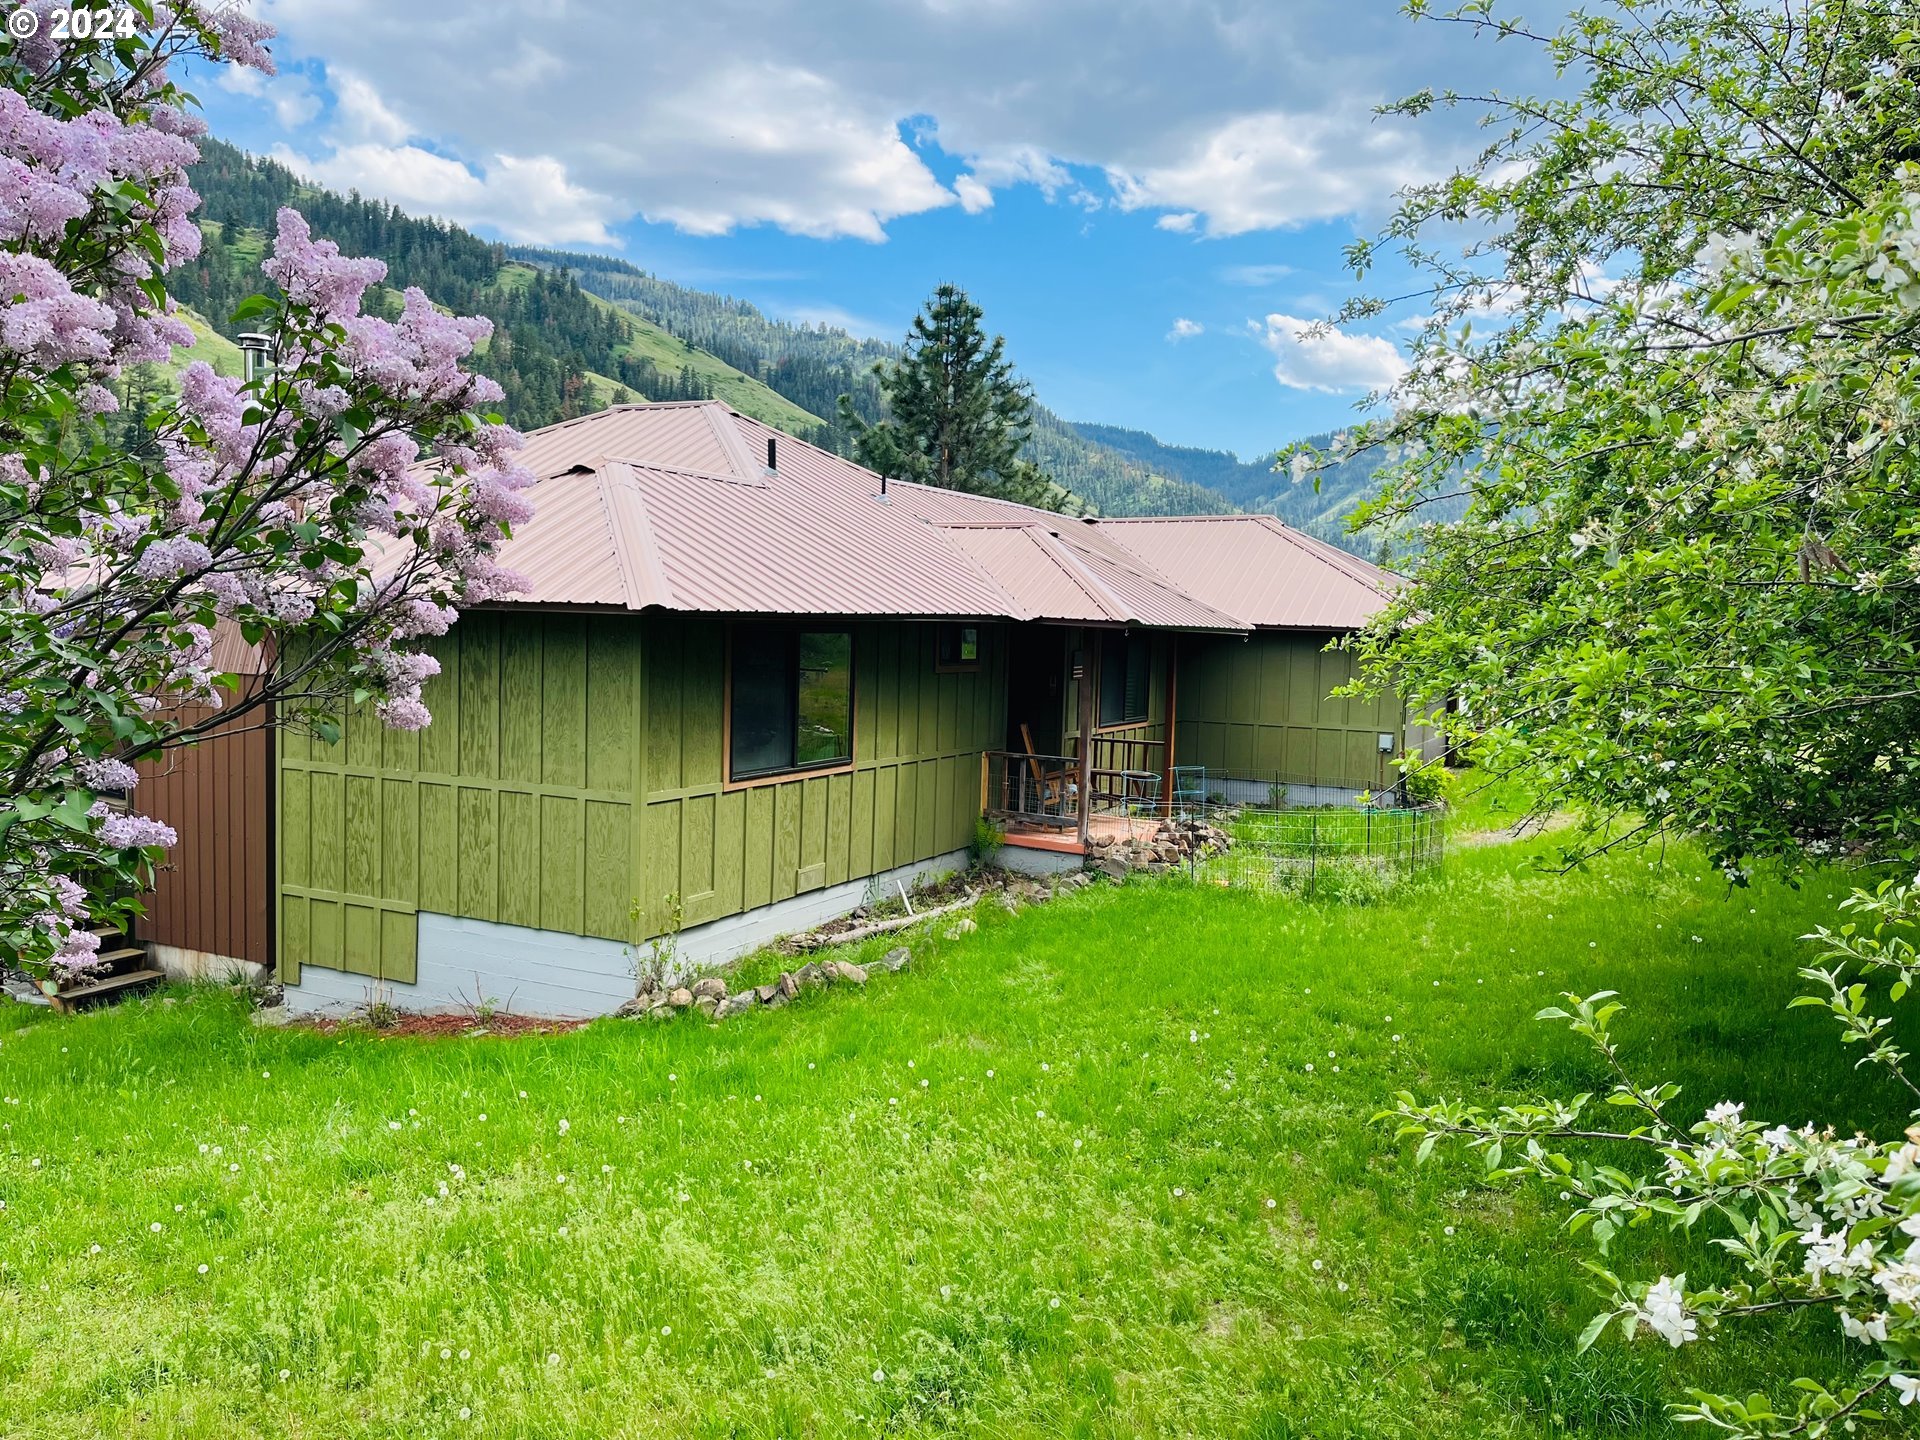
(1067, 841)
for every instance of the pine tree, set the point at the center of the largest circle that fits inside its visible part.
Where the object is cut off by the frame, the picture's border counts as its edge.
(956, 417)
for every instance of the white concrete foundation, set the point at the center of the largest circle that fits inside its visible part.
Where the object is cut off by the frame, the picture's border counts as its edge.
(1022, 860)
(462, 964)
(182, 964)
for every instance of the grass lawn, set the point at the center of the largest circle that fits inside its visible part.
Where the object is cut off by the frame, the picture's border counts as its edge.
(1103, 1168)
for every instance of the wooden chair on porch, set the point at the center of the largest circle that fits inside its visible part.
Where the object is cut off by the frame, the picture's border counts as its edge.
(1051, 786)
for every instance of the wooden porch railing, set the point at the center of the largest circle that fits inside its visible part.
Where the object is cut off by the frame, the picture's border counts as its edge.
(1129, 773)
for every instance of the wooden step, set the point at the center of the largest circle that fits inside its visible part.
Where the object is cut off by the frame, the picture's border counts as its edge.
(113, 987)
(114, 957)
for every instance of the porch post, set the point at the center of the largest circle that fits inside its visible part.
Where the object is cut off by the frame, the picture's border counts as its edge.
(1087, 681)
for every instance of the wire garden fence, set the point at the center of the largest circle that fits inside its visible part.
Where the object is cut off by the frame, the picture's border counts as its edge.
(1352, 850)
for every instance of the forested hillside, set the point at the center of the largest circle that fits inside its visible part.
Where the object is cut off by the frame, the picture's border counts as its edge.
(574, 333)
(813, 365)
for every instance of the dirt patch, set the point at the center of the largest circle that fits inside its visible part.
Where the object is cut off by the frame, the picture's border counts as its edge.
(445, 1027)
(1526, 829)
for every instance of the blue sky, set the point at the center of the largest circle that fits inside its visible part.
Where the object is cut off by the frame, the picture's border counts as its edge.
(1149, 200)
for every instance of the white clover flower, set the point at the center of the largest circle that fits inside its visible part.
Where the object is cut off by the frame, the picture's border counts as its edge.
(1664, 1311)
(565, 1126)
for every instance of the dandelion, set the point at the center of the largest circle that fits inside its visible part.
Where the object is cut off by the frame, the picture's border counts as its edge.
(446, 1354)
(560, 1179)
(1330, 1055)
(606, 1169)
(34, 1163)
(1054, 1303)
(553, 1359)
(990, 1073)
(1341, 1287)
(203, 1269)
(284, 1374)
(1271, 1202)
(1319, 1265)
(1045, 1066)
(556, 1359)
(1076, 1144)
(1448, 1230)
(483, 1117)
(809, 1066)
(923, 1085)
(565, 1126)
(1309, 1067)
(393, 1124)
(666, 1329)
(1178, 1192)
(156, 1227)
(1193, 1037)
(1396, 1039)
(93, 1250)
(879, 1376)
(466, 1412)
(563, 1232)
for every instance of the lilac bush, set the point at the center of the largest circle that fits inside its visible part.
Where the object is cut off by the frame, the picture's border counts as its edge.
(334, 511)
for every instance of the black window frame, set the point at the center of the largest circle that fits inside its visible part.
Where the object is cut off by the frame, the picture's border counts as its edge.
(1127, 647)
(952, 635)
(789, 636)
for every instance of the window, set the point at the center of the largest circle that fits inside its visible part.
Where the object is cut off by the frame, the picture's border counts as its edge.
(790, 700)
(1126, 665)
(959, 648)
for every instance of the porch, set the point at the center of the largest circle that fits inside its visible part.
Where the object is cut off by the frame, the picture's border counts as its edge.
(1037, 799)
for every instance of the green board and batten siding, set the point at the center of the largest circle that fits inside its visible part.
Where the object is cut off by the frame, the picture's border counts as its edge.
(518, 805)
(1263, 708)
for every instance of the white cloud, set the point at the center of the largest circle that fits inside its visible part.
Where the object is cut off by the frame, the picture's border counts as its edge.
(774, 112)
(974, 195)
(289, 96)
(1185, 329)
(529, 200)
(1255, 276)
(1307, 357)
(363, 114)
(1272, 170)
(1181, 222)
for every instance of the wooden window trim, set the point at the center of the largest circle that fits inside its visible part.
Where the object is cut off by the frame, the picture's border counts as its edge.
(800, 772)
(958, 667)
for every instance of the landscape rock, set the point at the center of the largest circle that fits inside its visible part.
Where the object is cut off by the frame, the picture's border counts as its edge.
(789, 986)
(765, 993)
(273, 1016)
(1115, 868)
(810, 974)
(734, 1004)
(680, 998)
(706, 1005)
(853, 973)
(635, 1008)
(711, 987)
(896, 959)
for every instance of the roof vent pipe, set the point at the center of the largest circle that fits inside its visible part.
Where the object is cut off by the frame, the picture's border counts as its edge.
(772, 454)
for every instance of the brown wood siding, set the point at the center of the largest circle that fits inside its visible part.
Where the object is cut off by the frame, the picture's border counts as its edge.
(212, 892)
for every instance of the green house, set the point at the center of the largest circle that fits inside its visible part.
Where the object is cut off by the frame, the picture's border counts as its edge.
(749, 686)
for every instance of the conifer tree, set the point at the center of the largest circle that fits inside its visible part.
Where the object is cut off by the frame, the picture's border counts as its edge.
(956, 416)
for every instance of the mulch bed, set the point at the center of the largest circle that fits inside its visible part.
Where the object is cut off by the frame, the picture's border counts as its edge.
(447, 1027)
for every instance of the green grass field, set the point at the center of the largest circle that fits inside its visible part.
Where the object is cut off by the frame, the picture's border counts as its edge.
(1103, 1168)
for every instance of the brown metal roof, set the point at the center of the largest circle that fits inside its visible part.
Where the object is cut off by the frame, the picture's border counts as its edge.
(672, 506)
(1259, 569)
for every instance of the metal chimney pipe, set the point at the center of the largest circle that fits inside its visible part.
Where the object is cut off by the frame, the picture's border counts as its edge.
(255, 355)
(772, 454)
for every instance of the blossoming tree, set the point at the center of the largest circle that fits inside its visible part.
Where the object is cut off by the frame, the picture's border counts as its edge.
(1671, 363)
(333, 510)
